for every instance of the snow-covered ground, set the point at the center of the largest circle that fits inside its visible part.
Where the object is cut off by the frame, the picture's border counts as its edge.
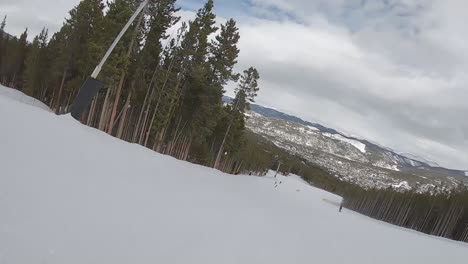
(359, 145)
(72, 194)
(18, 96)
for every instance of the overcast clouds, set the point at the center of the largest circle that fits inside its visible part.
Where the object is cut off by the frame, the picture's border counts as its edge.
(391, 71)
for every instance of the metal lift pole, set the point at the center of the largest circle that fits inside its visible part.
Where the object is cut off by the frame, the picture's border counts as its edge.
(92, 86)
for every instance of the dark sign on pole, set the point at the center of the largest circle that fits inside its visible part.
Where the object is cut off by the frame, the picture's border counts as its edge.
(86, 94)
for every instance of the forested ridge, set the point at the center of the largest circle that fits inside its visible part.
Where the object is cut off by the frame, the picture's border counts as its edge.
(164, 89)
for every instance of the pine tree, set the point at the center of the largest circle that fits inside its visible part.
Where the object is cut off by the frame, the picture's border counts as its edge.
(201, 98)
(21, 53)
(13, 60)
(36, 66)
(2, 25)
(161, 16)
(225, 52)
(247, 89)
(168, 97)
(13, 64)
(115, 69)
(2, 38)
(59, 69)
(80, 48)
(245, 93)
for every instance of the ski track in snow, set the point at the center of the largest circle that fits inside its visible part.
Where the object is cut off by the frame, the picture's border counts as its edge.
(72, 194)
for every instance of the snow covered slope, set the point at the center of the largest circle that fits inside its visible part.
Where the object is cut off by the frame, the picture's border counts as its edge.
(21, 97)
(72, 194)
(357, 144)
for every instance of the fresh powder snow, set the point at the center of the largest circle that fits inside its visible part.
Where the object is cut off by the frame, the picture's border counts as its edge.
(359, 145)
(72, 194)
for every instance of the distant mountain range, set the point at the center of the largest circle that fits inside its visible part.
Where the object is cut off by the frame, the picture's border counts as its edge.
(349, 158)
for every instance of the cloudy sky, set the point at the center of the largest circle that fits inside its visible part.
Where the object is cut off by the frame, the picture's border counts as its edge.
(391, 71)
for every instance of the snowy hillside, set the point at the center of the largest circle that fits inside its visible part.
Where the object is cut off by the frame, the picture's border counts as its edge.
(359, 145)
(21, 97)
(389, 158)
(72, 194)
(350, 159)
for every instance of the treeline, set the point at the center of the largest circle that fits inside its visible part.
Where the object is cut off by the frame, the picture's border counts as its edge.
(444, 215)
(162, 90)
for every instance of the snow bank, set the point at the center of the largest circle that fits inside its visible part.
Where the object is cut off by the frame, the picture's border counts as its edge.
(72, 194)
(359, 145)
(21, 97)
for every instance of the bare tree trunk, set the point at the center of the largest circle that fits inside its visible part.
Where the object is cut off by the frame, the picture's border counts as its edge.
(221, 148)
(102, 119)
(465, 234)
(124, 116)
(158, 140)
(62, 83)
(238, 167)
(68, 102)
(137, 127)
(42, 96)
(123, 75)
(128, 127)
(171, 142)
(150, 126)
(52, 100)
(12, 82)
(91, 112)
(116, 103)
(187, 150)
(143, 125)
(177, 136)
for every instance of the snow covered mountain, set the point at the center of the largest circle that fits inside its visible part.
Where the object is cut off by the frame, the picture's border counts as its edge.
(418, 158)
(350, 158)
(73, 194)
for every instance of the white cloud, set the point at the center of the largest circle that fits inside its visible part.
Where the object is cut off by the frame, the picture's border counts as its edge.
(402, 85)
(35, 15)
